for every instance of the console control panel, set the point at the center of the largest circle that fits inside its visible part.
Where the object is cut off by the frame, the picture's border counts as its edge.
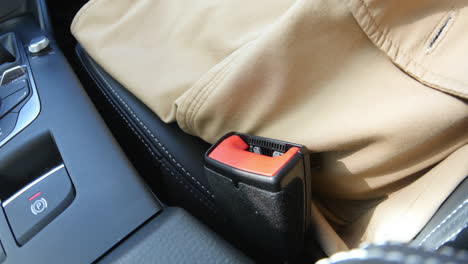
(19, 101)
(11, 95)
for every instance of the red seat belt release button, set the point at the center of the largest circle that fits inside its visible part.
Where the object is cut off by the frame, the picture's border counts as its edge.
(233, 151)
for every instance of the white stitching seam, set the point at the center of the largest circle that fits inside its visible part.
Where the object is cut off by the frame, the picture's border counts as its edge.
(147, 130)
(211, 207)
(443, 222)
(454, 234)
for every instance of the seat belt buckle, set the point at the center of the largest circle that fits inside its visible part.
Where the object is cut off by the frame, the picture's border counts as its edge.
(262, 186)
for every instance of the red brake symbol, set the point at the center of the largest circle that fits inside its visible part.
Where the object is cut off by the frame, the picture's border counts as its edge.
(34, 196)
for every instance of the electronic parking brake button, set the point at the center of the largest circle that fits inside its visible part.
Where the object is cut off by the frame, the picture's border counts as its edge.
(35, 206)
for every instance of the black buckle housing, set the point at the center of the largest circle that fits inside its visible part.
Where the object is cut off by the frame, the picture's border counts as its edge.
(270, 213)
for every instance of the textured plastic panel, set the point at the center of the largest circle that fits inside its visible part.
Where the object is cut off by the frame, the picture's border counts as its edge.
(174, 237)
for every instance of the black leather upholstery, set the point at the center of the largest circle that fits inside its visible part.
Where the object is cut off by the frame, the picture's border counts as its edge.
(180, 157)
(449, 225)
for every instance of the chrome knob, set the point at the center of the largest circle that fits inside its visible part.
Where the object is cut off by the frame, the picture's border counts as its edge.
(38, 44)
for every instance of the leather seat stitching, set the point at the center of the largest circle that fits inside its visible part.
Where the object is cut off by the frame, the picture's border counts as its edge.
(211, 207)
(151, 134)
(454, 234)
(443, 222)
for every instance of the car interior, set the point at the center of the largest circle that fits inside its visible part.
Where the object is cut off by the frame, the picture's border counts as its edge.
(90, 174)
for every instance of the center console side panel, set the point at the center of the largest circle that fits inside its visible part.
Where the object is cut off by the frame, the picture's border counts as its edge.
(110, 200)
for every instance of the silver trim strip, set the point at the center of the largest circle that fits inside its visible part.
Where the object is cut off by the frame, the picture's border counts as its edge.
(19, 69)
(9, 200)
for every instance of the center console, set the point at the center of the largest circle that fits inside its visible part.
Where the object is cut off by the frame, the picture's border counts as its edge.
(68, 193)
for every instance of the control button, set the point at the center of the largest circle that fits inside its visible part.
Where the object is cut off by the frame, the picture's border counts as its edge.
(38, 44)
(7, 124)
(36, 205)
(13, 100)
(12, 87)
(2, 253)
(12, 74)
